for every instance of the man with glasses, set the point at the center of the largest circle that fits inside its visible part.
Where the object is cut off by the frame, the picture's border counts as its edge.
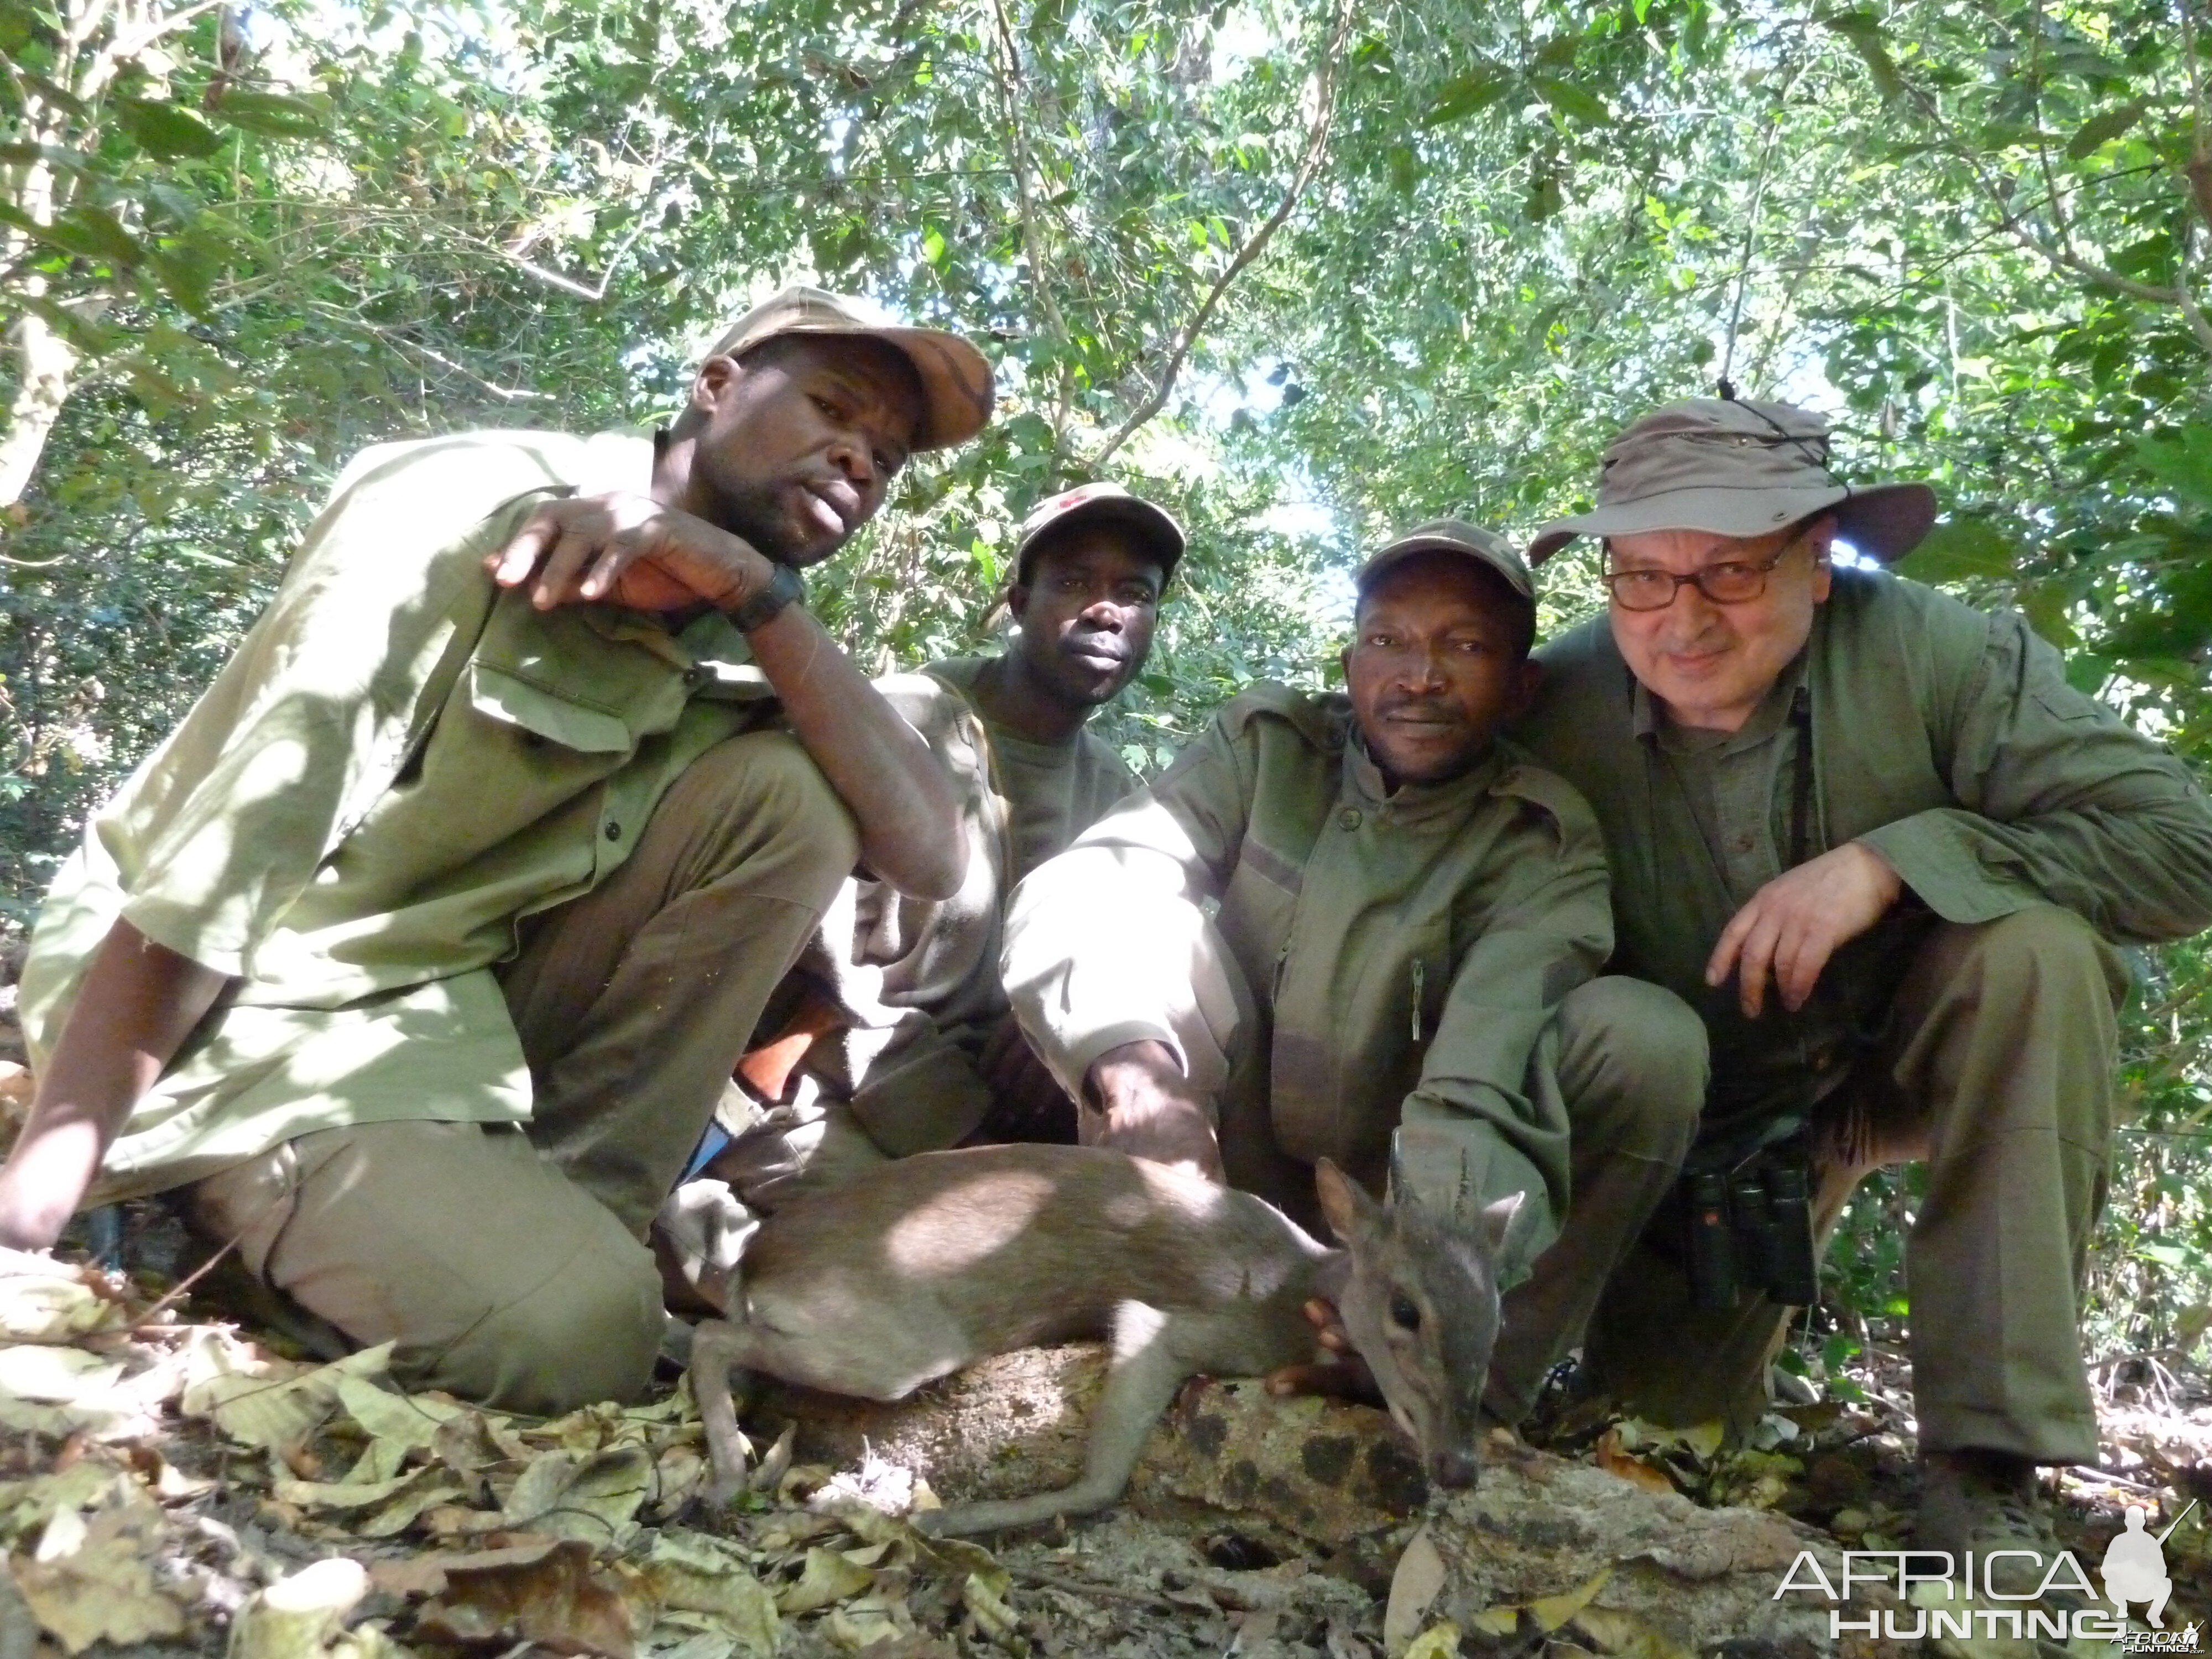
(1884, 850)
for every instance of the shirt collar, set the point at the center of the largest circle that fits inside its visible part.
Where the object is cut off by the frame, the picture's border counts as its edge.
(1363, 782)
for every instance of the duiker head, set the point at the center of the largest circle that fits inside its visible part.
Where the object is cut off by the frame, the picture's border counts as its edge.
(1420, 1303)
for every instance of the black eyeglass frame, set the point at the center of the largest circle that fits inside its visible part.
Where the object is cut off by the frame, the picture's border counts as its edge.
(1762, 569)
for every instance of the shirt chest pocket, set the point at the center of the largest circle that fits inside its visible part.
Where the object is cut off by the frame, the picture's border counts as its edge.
(1426, 979)
(546, 716)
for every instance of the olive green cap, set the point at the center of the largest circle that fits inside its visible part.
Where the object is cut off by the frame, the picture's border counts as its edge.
(1102, 503)
(1471, 541)
(955, 380)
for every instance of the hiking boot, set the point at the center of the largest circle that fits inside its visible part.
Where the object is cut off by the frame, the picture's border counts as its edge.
(1972, 1503)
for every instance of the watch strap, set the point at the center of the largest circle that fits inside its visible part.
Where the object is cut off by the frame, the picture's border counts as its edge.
(784, 588)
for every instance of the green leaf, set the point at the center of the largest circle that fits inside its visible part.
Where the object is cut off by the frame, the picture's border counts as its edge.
(1961, 550)
(91, 337)
(16, 155)
(2100, 130)
(1864, 32)
(92, 233)
(185, 274)
(1466, 95)
(276, 114)
(1575, 103)
(2182, 461)
(166, 131)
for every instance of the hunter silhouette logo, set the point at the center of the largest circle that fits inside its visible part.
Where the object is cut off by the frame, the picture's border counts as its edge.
(2134, 1566)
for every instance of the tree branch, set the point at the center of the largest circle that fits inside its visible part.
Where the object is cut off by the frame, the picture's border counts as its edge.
(1317, 148)
(1008, 81)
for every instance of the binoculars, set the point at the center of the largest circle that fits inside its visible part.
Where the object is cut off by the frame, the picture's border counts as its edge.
(1750, 1229)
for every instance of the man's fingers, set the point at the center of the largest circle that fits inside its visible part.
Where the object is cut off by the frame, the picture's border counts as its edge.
(1799, 971)
(557, 577)
(514, 562)
(1723, 961)
(1344, 1379)
(1755, 959)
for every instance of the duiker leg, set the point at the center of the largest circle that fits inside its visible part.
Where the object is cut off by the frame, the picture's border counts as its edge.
(1148, 1366)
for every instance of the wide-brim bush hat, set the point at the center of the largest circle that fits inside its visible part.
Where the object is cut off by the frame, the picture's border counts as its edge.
(1740, 468)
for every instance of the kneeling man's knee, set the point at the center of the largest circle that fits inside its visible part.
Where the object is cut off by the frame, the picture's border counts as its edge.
(588, 1333)
(1634, 1064)
(2044, 948)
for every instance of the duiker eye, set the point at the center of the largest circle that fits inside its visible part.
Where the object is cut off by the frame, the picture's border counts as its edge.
(1404, 1313)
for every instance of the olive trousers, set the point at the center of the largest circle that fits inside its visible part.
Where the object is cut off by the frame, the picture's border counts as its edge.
(508, 1264)
(1998, 1068)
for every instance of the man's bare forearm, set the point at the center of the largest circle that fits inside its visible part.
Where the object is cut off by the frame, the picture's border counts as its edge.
(138, 1003)
(880, 768)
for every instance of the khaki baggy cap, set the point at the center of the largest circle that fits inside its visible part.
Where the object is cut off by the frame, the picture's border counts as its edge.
(1103, 503)
(1735, 467)
(955, 380)
(1471, 541)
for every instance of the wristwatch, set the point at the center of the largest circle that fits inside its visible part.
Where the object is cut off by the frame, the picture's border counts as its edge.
(783, 588)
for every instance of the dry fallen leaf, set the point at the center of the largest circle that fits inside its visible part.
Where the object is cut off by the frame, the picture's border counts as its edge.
(299, 1615)
(1437, 1642)
(1550, 1612)
(102, 1590)
(1625, 1636)
(1614, 1461)
(277, 1415)
(689, 1572)
(555, 1600)
(42, 1300)
(827, 1577)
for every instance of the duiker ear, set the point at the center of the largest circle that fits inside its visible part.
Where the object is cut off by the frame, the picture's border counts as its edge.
(1497, 1219)
(1350, 1212)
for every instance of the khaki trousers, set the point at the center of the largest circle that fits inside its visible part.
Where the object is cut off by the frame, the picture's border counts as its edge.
(1998, 1068)
(508, 1264)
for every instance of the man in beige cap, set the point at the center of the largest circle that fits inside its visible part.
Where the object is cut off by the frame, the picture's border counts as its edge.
(1884, 849)
(1406, 917)
(416, 957)
(893, 1035)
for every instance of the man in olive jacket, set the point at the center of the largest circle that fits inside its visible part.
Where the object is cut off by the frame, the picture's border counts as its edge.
(1410, 917)
(1884, 849)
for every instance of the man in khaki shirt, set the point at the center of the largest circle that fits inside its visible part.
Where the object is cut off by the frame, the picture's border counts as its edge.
(894, 1036)
(409, 959)
(1361, 926)
(1884, 849)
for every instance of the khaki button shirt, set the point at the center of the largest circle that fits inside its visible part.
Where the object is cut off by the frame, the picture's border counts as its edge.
(1408, 949)
(1945, 739)
(400, 761)
(916, 981)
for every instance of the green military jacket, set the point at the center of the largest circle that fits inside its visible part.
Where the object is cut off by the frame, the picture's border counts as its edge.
(1944, 738)
(916, 981)
(399, 762)
(1406, 950)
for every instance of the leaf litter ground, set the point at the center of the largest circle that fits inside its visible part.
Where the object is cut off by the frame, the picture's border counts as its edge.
(172, 1483)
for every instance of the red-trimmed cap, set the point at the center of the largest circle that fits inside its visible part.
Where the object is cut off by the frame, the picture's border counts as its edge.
(1103, 503)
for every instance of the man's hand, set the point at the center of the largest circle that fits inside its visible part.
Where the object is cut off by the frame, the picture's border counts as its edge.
(1139, 1103)
(1795, 923)
(628, 549)
(1343, 1375)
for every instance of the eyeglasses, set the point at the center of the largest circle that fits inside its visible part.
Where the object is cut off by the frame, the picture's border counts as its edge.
(1732, 581)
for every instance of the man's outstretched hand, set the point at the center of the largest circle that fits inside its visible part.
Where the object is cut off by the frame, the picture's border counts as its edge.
(1343, 1375)
(1795, 923)
(1139, 1103)
(622, 548)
